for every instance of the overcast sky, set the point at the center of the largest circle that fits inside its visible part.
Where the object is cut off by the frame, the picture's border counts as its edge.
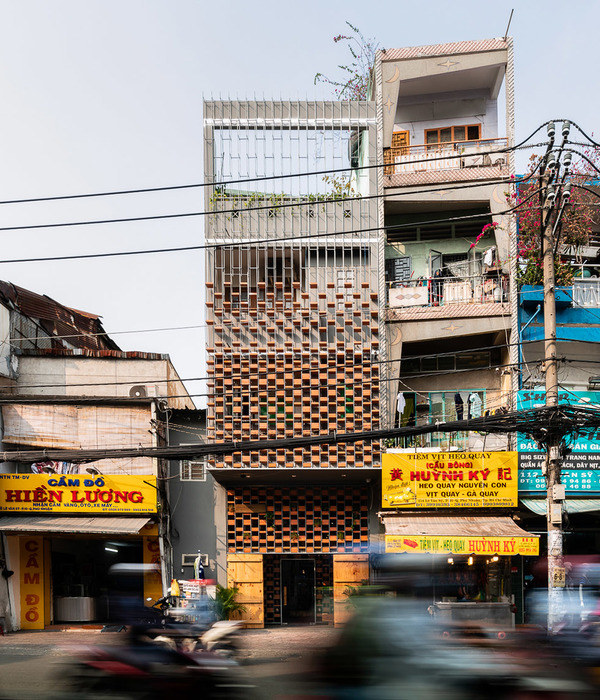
(103, 95)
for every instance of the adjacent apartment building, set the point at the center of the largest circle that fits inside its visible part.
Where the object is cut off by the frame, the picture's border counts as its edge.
(67, 386)
(445, 123)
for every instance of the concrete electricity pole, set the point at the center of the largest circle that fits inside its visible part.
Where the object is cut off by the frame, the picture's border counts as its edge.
(550, 177)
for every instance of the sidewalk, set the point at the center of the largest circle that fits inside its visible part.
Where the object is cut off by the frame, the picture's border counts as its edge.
(272, 644)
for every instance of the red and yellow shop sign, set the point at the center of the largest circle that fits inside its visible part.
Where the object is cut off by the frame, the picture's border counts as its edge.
(449, 480)
(444, 544)
(72, 493)
(32, 583)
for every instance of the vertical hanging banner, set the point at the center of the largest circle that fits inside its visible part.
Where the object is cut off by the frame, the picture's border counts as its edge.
(32, 582)
(449, 480)
(152, 577)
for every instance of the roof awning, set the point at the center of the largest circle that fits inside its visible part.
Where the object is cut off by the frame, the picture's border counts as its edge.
(437, 534)
(573, 505)
(75, 525)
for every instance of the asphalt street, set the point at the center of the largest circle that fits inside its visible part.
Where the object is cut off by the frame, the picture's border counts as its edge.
(32, 664)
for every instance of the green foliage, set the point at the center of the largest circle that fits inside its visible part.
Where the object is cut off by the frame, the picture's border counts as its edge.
(339, 188)
(226, 603)
(572, 234)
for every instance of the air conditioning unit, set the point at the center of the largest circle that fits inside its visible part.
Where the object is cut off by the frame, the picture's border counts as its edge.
(142, 391)
(190, 559)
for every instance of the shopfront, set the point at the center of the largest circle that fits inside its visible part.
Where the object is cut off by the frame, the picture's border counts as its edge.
(458, 506)
(293, 552)
(65, 536)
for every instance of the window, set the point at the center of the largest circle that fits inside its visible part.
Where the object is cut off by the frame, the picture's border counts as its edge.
(452, 134)
(397, 269)
(193, 470)
(477, 359)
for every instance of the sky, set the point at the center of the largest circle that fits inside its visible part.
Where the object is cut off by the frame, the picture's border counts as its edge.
(106, 95)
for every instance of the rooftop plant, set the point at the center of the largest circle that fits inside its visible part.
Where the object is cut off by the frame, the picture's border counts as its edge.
(354, 82)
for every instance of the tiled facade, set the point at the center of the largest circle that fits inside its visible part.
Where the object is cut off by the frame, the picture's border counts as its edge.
(293, 520)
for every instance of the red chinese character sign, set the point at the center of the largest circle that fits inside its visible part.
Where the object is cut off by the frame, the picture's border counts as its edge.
(449, 480)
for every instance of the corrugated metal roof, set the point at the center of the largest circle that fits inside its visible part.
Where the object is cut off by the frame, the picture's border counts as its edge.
(453, 525)
(80, 329)
(457, 47)
(73, 525)
(91, 352)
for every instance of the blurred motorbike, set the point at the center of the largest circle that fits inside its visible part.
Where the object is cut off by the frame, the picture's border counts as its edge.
(223, 638)
(195, 629)
(144, 670)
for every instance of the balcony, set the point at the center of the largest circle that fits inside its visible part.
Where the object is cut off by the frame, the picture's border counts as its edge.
(445, 162)
(586, 293)
(444, 291)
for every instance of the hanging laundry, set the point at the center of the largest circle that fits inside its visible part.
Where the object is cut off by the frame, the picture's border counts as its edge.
(198, 568)
(459, 406)
(488, 256)
(475, 405)
(401, 402)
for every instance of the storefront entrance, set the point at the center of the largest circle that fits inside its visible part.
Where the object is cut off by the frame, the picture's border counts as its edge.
(298, 591)
(82, 589)
(77, 578)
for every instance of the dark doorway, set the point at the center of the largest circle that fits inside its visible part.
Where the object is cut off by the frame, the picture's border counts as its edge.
(81, 569)
(297, 591)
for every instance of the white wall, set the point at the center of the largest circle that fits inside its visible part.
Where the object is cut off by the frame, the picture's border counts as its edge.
(447, 109)
(92, 376)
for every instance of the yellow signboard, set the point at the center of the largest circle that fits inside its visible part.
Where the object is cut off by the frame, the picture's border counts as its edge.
(73, 493)
(452, 544)
(32, 583)
(449, 480)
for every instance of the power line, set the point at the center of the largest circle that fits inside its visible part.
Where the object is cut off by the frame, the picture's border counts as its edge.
(261, 241)
(535, 422)
(305, 202)
(238, 393)
(15, 342)
(262, 353)
(241, 181)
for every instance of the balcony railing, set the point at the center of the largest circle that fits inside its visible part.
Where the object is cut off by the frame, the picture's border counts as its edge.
(448, 442)
(586, 292)
(441, 291)
(446, 156)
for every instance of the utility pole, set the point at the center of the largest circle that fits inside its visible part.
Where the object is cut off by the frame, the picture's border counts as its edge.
(555, 492)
